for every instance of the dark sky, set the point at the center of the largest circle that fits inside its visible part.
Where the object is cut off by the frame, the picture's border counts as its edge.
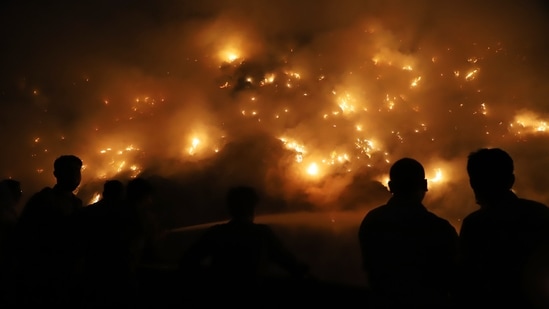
(150, 87)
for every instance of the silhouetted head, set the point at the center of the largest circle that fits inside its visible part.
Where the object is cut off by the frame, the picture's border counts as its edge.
(491, 173)
(241, 202)
(113, 190)
(10, 192)
(139, 191)
(407, 177)
(67, 169)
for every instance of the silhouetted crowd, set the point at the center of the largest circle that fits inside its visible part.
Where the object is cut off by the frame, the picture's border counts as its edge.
(58, 252)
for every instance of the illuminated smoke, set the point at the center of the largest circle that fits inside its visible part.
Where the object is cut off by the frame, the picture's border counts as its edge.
(310, 100)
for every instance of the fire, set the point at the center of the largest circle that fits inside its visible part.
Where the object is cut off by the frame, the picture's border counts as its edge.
(194, 144)
(438, 176)
(96, 197)
(116, 160)
(415, 81)
(530, 122)
(345, 103)
(293, 145)
(471, 75)
(313, 169)
(229, 55)
(337, 103)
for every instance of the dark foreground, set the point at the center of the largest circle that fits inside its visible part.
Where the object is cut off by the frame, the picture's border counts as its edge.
(164, 288)
(328, 246)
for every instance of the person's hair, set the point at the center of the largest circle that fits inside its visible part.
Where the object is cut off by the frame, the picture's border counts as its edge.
(490, 168)
(407, 175)
(12, 188)
(241, 201)
(113, 189)
(138, 189)
(67, 163)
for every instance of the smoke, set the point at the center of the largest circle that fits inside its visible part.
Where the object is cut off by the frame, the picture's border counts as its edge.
(309, 101)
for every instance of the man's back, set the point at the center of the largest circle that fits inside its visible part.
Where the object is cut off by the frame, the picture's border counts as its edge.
(504, 244)
(48, 239)
(501, 249)
(408, 253)
(48, 222)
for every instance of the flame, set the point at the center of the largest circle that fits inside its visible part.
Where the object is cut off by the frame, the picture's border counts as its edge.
(438, 176)
(229, 54)
(96, 197)
(529, 122)
(115, 160)
(293, 145)
(345, 103)
(194, 144)
(415, 82)
(471, 75)
(313, 169)
(285, 93)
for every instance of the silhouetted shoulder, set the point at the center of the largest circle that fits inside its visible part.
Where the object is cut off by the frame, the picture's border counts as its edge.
(43, 194)
(374, 214)
(523, 209)
(378, 211)
(533, 206)
(38, 198)
(441, 222)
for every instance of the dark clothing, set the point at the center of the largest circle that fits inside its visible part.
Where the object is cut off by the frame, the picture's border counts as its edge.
(409, 256)
(240, 254)
(504, 255)
(48, 247)
(243, 249)
(110, 231)
(8, 221)
(113, 240)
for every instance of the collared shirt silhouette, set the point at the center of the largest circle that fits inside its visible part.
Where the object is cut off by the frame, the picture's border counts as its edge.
(504, 244)
(408, 253)
(239, 250)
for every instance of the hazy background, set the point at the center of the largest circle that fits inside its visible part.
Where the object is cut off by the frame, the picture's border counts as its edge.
(309, 101)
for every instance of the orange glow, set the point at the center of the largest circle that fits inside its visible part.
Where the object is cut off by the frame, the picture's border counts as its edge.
(313, 169)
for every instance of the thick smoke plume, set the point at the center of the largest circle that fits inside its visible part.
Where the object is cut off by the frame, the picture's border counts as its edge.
(310, 101)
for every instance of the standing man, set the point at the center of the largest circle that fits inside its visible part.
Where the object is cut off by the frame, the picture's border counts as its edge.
(504, 244)
(231, 259)
(408, 253)
(47, 238)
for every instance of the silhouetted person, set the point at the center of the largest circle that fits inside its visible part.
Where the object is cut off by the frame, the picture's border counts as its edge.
(140, 199)
(47, 236)
(113, 193)
(408, 253)
(10, 196)
(118, 233)
(504, 243)
(106, 248)
(234, 255)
